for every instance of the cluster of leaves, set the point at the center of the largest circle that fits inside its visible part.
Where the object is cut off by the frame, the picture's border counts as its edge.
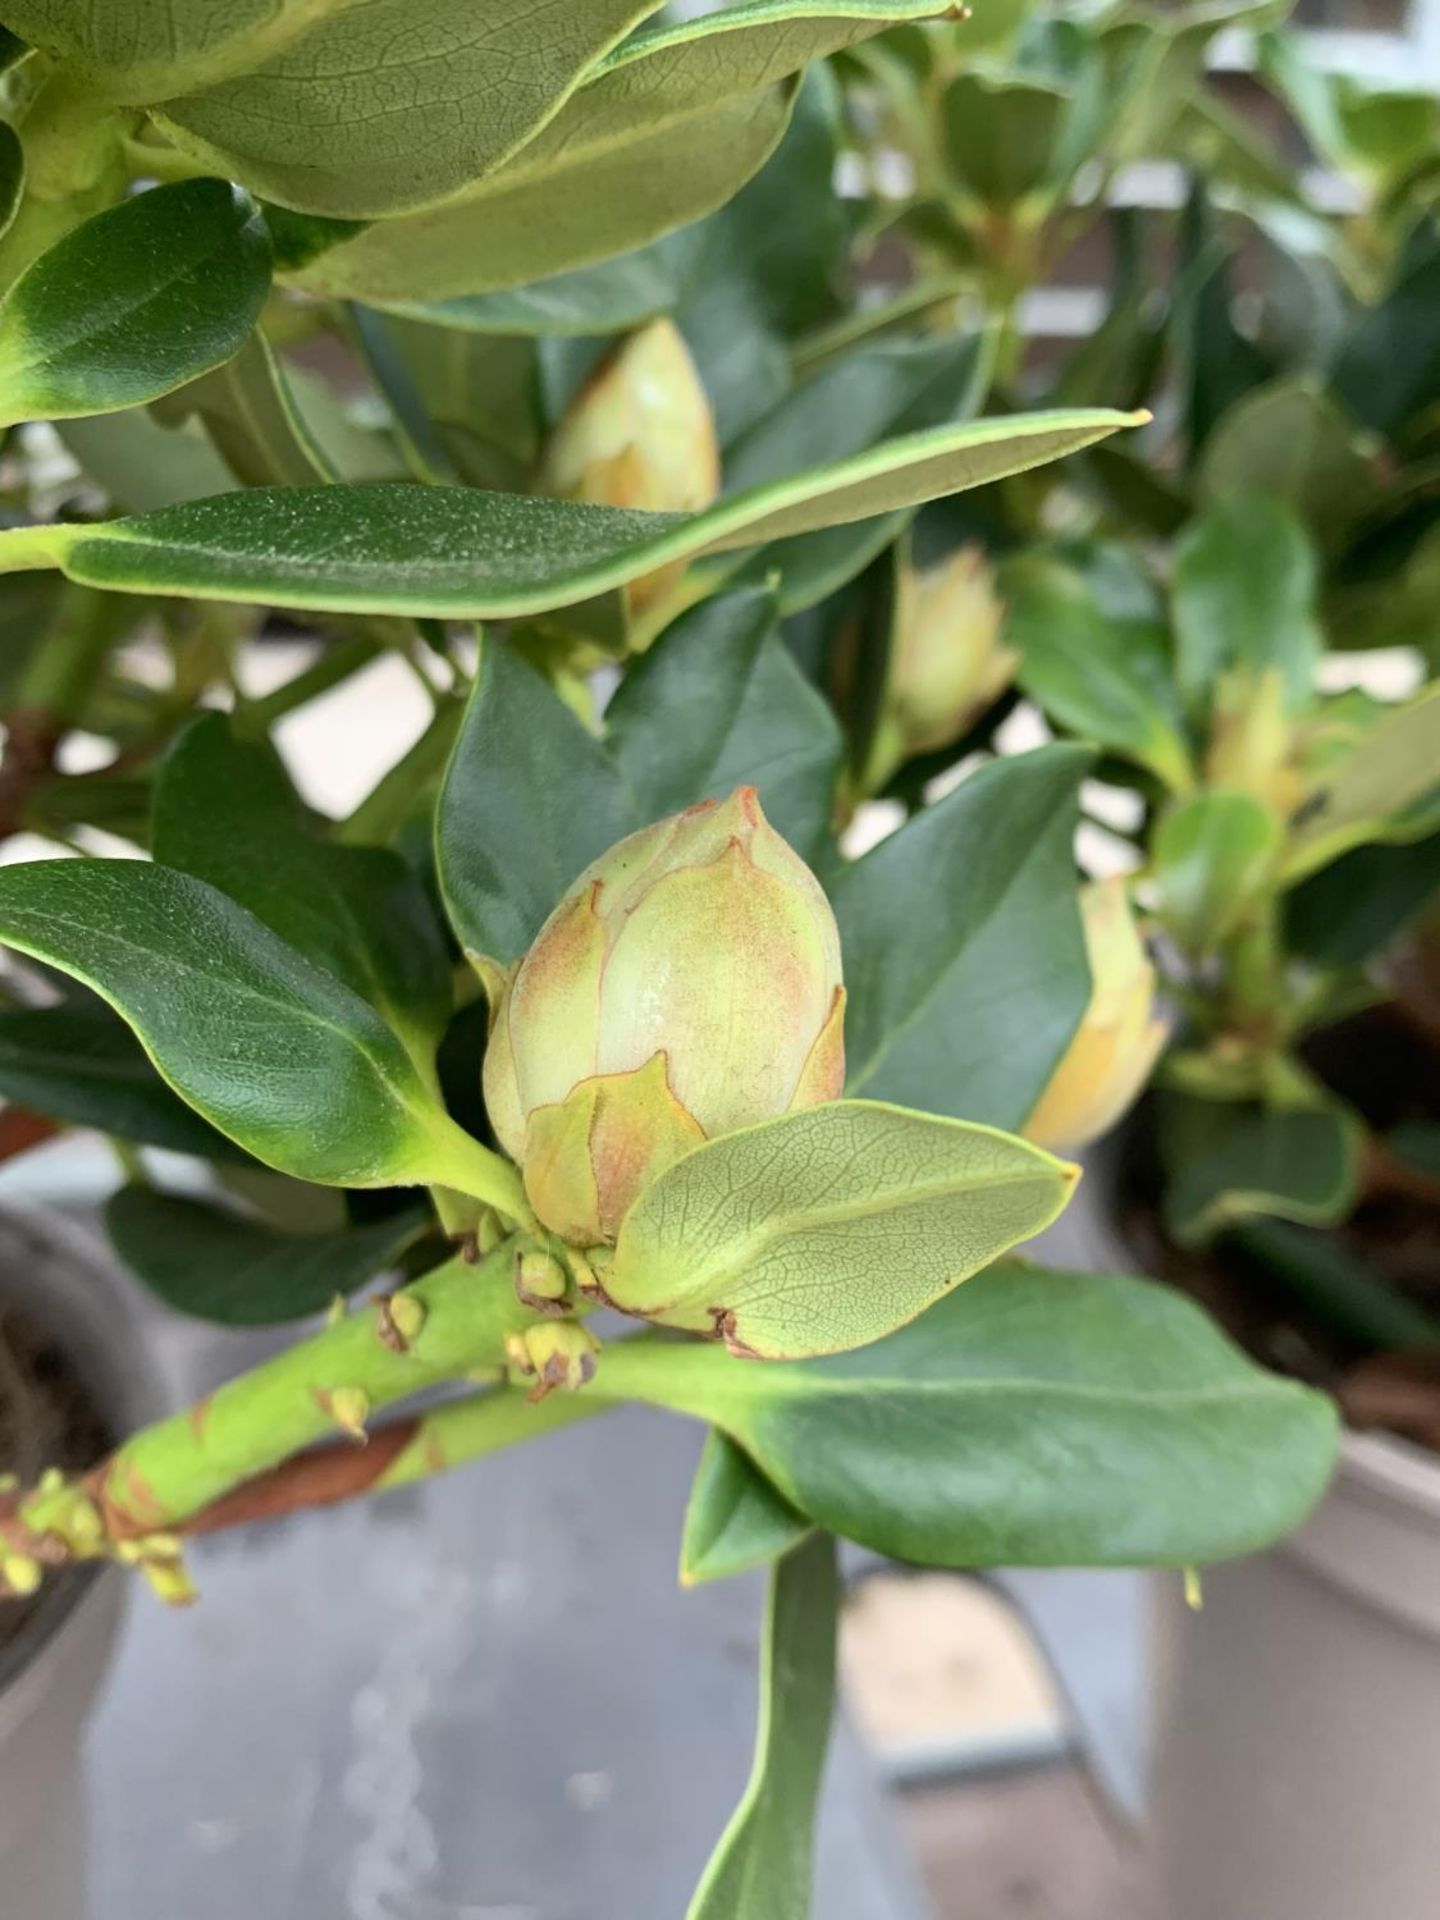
(308, 381)
(1281, 510)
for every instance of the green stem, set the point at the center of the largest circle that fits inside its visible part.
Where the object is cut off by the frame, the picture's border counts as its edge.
(60, 675)
(32, 549)
(335, 665)
(385, 810)
(464, 1430)
(168, 1472)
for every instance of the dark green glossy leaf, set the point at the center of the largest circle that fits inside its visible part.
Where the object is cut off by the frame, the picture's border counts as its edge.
(136, 301)
(735, 1520)
(530, 798)
(719, 703)
(82, 1064)
(763, 1862)
(454, 552)
(1109, 680)
(1362, 901)
(1389, 369)
(1245, 586)
(217, 1264)
(1229, 1160)
(964, 958)
(225, 811)
(1031, 1418)
(274, 1052)
(1321, 1273)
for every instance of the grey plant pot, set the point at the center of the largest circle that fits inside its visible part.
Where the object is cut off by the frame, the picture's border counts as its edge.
(1295, 1720)
(52, 1667)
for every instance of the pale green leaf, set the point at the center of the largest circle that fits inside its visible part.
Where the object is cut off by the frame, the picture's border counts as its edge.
(828, 1228)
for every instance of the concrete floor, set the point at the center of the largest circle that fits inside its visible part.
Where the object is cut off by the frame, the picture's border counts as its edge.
(1026, 1846)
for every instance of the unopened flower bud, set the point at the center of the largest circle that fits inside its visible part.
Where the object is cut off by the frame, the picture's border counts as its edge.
(946, 666)
(1110, 1058)
(559, 1353)
(1254, 742)
(688, 984)
(640, 433)
(541, 1283)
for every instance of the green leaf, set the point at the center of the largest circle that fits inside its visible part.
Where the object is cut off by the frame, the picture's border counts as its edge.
(666, 128)
(360, 111)
(141, 465)
(531, 797)
(217, 1264)
(1396, 764)
(526, 224)
(1289, 440)
(1002, 138)
(1108, 680)
(136, 301)
(457, 553)
(247, 411)
(1331, 1286)
(763, 1862)
(1029, 1419)
(1211, 855)
(613, 296)
(277, 1054)
(883, 387)
(720, 703)
(964, 959)
(82, 1064)
(1344, 914)
(225, 811)
(1229, 1160)
(735, 1520)
(828, 1228)
(12, 174)
(1245, 585)
(1389, 370)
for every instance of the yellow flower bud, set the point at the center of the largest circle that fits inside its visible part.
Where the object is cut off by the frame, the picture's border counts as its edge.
(1253, 742)
(688, 984)
(640, 433)
(1110, 1058)
(947, 665)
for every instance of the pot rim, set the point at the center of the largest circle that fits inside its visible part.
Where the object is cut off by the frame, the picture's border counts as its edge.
(82, 1304)
(1394, 1469)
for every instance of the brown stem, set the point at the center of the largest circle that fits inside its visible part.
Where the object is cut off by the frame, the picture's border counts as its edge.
(320, 1478)
(20, 1130)
(32, 735)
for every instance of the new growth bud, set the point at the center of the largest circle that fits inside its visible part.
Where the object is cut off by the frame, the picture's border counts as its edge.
(1110, 1058)
(687, 985)
(640, 433)
(1253, 741)
(559, 1354)
(946, 667)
